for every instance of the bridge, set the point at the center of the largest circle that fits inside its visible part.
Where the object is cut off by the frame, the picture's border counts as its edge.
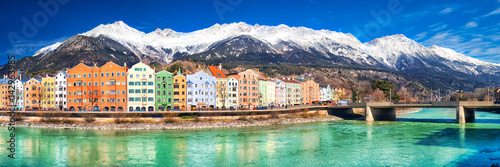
(377, 111)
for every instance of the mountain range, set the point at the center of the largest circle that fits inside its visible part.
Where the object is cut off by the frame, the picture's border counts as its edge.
(241, 43)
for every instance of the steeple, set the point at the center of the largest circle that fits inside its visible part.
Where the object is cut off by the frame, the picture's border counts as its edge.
(179, 71)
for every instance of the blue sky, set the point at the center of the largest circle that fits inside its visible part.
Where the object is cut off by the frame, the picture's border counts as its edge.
(469, 27)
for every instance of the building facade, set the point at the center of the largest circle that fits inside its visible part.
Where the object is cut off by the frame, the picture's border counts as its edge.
(5, 92)
(179, 90)
(325, 93)
(61, 90)
(113, 87)
(164, 91)
(263, 92)
(232, 92)
(32, 94)
(221, 87)
(293, 94)
(48, 93)
(84, 88)
(200, 91)
(271, 93)
(249, 89)
(141, 86)
(309, 91)
(19, 94)
(281, 94)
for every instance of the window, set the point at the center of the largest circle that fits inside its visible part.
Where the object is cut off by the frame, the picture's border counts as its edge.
(131, 76)
(130, 99)
(95, 75)
(84, 75)
(123, 74)
(150, 83)
(79, 76)
(131, 83)
(131, 91)
(112, 74)
(151, 91)
(150, 99)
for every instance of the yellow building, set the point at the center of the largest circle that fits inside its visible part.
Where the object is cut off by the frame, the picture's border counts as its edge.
(179, 90)
(48, 93)
(221, 89)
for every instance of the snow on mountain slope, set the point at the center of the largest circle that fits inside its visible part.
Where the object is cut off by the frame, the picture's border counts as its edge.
(389, 51)
(42, 52)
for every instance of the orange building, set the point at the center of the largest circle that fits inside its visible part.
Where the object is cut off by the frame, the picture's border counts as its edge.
(33, 94)
(113, 87)
(179, 89)
(249, 89)
(84, 87)
(4, 101)
(310, 90)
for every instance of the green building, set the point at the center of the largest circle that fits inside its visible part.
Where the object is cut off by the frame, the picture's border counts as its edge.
(164, 89)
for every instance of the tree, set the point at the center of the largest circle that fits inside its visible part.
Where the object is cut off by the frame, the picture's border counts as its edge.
(388, 87)
(221, 90)
(92, 95)
(355, 96)
(378, 95)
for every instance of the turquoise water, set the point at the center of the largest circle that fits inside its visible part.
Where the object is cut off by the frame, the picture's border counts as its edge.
(340, 143)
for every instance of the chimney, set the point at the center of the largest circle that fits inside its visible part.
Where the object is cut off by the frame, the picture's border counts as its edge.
(125, 64)
(220, 66)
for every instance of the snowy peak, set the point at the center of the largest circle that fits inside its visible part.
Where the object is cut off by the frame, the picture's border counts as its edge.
(47, 49)
(117, 30)
(455, 56)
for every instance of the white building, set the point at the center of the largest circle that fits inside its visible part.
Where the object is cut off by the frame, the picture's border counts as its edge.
(200, 91)
(280, 94)
(141, 86)
(61, 90)
(232, 91)
(325, 93)
(19, 94)
(271, 92)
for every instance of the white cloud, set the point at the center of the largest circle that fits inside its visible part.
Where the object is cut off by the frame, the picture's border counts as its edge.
(420, 36)
(471, 24)
(29, 47)
(438, 26)
(446, 10)
(482, 43)
(495, 12)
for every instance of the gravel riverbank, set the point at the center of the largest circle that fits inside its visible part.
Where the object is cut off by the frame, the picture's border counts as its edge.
(166, 126)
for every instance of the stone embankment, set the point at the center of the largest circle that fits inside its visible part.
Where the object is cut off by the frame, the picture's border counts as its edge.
(181, 125)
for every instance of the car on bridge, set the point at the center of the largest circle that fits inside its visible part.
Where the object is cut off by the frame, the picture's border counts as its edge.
(496, 102)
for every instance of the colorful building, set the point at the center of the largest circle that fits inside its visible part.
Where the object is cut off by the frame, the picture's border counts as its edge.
(179, 90)
(281, 94)
(249, 89)
(84, 88)
(61, 90)
(293, 94)
(19, 94)
(271, 92)
(5, 92)
(141, 86)
(309, 91)
(32, 94)
(164, 91)
(263, 92)
(200, 91)
(232, 92)
(325, 93)
(113, 87)
(221, 87)
(48, 93)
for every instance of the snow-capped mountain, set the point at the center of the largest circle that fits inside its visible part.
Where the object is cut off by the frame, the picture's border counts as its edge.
(241, 41)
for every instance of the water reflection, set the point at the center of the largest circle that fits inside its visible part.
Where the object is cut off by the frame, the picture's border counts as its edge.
(341, 143)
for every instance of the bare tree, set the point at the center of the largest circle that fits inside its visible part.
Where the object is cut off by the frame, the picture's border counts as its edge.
(222, 92)
(92, 95)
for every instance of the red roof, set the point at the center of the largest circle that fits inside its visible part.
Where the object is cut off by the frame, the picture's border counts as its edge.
(216, 72)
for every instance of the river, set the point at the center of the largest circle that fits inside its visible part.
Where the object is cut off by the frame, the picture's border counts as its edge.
(404, 142)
